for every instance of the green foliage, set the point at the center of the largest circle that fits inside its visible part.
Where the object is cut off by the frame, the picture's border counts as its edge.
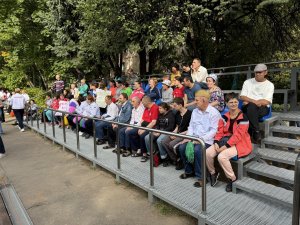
(38, 95)
(79, 38)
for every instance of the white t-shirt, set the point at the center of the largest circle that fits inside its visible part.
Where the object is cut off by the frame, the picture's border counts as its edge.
(200, 75)
(258, 90)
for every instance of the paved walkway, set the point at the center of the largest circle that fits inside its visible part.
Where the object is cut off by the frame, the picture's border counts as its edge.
(55, 188)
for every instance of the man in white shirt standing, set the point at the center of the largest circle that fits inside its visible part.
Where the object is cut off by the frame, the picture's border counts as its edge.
(112, 112)
(203, 124)
(199, 73)
(257, 94)
(18, 104)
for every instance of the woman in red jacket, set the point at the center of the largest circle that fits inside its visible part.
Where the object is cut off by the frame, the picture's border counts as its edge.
(232, 139)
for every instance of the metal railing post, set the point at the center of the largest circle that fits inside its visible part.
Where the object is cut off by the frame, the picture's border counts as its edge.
(64, 127)
(31, 119)
(296, 198)
(53, 128)
(203, 147)
(249, 72)
(118, 147)
(151, 160)
(94, 139)
(294, 86)
(27, 119)
(77, 133)
(44, 118)
(37, 119)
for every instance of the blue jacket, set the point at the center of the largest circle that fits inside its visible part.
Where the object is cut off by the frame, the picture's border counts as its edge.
(154, 94)
(124, 113)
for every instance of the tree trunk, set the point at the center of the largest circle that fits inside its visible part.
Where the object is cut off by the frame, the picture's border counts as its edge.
(143, 62)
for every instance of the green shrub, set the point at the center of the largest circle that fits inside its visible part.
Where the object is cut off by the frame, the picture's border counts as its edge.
(38, 95)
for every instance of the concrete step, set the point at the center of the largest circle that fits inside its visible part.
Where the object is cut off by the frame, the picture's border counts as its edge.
(283, 142)
(285, 129)
(277, 155)
(270, 171)
(264, 190)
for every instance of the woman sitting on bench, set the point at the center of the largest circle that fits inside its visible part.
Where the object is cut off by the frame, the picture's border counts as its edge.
(231, 140)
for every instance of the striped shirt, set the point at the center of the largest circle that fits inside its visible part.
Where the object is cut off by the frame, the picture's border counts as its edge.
(58, 85)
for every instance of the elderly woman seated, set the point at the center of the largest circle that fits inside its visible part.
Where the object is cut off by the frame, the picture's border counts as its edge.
(216, 95)
(88, 108)
(232, 139)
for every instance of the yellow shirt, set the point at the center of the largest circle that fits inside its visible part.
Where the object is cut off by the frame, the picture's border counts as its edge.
(173, 75)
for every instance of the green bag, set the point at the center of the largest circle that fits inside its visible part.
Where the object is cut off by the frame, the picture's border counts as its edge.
(189, 152)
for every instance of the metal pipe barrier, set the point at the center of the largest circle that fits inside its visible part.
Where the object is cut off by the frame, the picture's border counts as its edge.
(296, 198)
(151, 130)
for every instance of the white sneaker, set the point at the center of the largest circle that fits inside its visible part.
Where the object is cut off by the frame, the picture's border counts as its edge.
(2, 155)
(80, 133)
(22, 130)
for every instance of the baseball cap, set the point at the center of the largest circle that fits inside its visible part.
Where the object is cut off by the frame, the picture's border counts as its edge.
(213, 76)
(260, 67)
(167, 82)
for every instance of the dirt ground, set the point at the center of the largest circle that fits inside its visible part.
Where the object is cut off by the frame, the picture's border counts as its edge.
(58, 189)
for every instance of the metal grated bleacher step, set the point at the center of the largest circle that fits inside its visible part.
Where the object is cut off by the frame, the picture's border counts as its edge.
(290, 116)
(270, 171)
(277, 155)
(286, 129)
(283, 142)
(264, 190)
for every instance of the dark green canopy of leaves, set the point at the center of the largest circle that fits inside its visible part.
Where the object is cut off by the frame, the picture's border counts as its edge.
(76, 38)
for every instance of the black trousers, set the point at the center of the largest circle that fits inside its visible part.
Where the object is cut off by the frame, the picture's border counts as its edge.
(253, 112)
(19, 113)
(89, 126)
(2, 149)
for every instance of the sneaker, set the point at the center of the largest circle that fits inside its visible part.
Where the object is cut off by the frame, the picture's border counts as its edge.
(80, 133)
(2, 155)
(22, 130)
(214, 179)
(229, 186)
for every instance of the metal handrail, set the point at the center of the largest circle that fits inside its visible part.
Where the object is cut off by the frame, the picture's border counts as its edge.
(250, 65)
(151, 130)
(296, 197)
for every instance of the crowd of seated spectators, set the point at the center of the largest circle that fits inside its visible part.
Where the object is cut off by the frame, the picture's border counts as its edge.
(190, 103)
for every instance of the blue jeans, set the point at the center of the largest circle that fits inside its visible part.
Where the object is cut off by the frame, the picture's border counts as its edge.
(159, 139)
(189, 167)
(132, 139)
(125, 136)
(100, 126)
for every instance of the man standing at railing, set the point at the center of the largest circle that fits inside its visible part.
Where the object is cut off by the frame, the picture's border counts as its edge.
(203, 124)
(199, 73)
(257, 94)
(18, 104)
